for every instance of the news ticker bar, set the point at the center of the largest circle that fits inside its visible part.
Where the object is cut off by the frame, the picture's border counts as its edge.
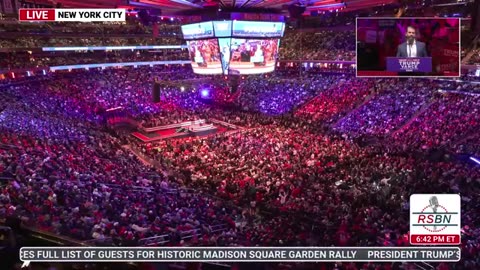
(72, 15)
(112, 48)
(240, 254)
(124, 64)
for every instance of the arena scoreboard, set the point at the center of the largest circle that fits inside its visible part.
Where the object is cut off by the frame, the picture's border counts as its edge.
(233, 46)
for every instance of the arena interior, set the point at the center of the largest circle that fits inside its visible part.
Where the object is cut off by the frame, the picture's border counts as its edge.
(162, 154)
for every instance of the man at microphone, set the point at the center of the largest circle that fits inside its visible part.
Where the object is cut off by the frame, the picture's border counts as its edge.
(412, 47)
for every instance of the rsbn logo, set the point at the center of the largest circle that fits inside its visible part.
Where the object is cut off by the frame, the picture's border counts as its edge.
(435, 218)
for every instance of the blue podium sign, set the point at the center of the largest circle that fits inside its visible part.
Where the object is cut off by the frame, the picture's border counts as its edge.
(409, 64)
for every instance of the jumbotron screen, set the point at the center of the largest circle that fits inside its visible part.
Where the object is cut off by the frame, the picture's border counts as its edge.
(205, 56)
(253, 56)
(240, 47)
(197, 30)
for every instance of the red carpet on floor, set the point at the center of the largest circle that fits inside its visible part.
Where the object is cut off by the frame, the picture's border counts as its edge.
(166, 132)
(140, 136)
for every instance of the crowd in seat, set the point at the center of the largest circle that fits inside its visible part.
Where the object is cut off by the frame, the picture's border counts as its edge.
(5, 99)
(78, 189)
(415, 114)
(322, 45)
(27, 60)
(466, 84)
(449, 118)
(18, 35)
(276, 95)
(337, 100)
(281, 181)
(469, 145)
(470, 76)
(475, 58)
(126, 87)
(58, 28)
(72, 178)
(38, 42)
(102, 89)
(387, 111)
(461, 10)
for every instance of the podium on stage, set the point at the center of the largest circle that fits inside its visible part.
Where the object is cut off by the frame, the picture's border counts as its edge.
(409, 64)
(256, 59)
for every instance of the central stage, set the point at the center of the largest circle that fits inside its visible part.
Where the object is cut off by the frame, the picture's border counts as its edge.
(185, 129)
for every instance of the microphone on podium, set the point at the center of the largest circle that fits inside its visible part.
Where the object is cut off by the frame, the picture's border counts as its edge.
(434, 205)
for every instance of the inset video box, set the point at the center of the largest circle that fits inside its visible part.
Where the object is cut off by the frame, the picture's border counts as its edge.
(404, 47)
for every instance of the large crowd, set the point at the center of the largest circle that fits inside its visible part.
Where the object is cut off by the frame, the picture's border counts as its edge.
(337, 100)
(475, 57)
(319, 45)
(385, 113)
(29, 36)
(292, 176)
(130, 27)
(38, 42)
(277, 95)
(448, 119)
(25, 60)
(71, 178)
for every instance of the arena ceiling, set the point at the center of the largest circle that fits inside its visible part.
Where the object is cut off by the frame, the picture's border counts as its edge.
(176, 6)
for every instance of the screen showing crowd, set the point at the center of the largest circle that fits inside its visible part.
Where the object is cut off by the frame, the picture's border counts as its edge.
(205, 56)
(198, 30)
(228, 28)
(233, 56)
(233, 47)
(258, 29)
(253, 56)
(408, 47)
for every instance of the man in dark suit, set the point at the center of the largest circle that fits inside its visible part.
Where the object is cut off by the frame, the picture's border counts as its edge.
(412, 47)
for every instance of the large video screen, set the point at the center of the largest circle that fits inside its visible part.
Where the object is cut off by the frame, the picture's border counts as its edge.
(222, 28)
(233, 47)
(420, 47)
(253, 56)
(258, 29)
(205, 56)
(198, 30)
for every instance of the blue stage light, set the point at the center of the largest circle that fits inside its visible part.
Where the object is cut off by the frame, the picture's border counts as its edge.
(205, 93)
(476, 160)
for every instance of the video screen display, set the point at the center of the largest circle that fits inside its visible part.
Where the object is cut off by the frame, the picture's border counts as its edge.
(205, 56)
(197, 30)
(408, 47)
(224, 44)
(258, 29)
(253, 56)
(222, 28)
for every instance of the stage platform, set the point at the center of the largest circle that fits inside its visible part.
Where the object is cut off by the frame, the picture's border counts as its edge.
(186, 129)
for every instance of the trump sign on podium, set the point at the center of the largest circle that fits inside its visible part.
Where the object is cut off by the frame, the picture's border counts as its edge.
(409, 64)
(435, 219)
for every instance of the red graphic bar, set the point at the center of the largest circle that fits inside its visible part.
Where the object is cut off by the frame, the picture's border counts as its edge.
(36, 14)
(440, 239)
